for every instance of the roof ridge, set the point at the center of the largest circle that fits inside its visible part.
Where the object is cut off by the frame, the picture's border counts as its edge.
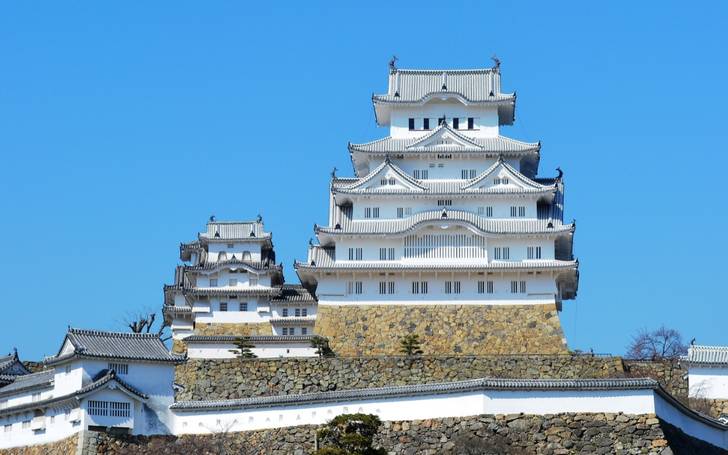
(78, 331)
(440, 71)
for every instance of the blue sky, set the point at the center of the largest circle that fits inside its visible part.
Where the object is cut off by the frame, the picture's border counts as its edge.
(124, 126)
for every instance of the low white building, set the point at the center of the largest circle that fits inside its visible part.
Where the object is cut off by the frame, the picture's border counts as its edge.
(97, 380)
(707, 371)
(11, 368)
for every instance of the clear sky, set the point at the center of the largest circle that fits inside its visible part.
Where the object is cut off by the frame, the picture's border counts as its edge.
(124, 126)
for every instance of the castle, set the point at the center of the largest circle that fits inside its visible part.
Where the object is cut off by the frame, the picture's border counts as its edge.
(445, 231)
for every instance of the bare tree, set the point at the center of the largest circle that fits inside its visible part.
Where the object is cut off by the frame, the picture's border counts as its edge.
(659, 344)
(143, 321)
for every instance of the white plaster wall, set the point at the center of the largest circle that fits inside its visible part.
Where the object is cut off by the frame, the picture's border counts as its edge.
(108, 421)
(25, 396)
(243, 280)
(459, 405)
(237, 249)
(540, 287)
(554, 402)
(68, 378)
(486, 118)
(208, 312)
(708, 382)
(388, 206)
(262, 350)
(58, 426)
(693, 427)
(277, 309)
(518, 247)
(443, 168)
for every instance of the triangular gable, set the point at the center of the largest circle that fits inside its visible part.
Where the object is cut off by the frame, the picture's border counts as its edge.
(67, 347)
(445, 137)
(387, 170)
(502, 170)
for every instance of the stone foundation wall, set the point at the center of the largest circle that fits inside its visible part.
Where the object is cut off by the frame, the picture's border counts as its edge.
(669, 373)
(485, 434)
(236, 378)
(66, 446)
(263, 328)
(443, 329)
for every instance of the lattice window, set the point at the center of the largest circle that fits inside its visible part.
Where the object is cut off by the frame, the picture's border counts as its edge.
(98, 408)
(120, 368)
(119, 409)
(445, 246)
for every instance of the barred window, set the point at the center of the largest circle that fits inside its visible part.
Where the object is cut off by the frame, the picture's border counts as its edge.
(8, 427)
(444, 202)
(284, 312)
(232, 282)
(120, 368)
(502, 253)
(489, 211)
(522, 287)
(304, 330)
(297, 312)
(243, 306)
(421, 174)
(514, 287)
(456, 287)
(481, 287)
(392, 181)
(367, 212)
(25, 424)
(304, 312)
(415, 287)
(375, 212)
(400, 212)
(285, 331)
(213, 282)
(98, 408)
(359, 254)
(533, 252)
(489, 287)
(354, 287)
(390, 254)
(119, 409)
(223, 306)
(382, 254)
(390, 287)
(448, 287)
(471, 123)
(521, 211)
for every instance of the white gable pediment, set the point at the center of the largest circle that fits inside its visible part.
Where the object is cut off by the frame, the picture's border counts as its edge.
(445, 138)
(387, 177)
(501, 176)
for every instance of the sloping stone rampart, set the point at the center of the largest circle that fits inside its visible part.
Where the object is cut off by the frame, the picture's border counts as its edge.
(356, 330)
(236, 378)
(66, 446)
(263, 328)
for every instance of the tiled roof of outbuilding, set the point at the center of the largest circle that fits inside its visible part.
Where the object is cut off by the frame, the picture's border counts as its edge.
(28, 381)
(115, 345)
(707, 355)
(293, 293)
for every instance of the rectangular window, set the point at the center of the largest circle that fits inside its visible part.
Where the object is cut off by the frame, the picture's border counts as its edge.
(489, 212)
(359, 254)
(425, 123)
(223, 306)
(231, 245)
(291, 330)
(213, 282)
(514, 287)
(304, 330)
(489, 287)
(506, 253)
(243, 306)
(375, 212)
(304, 312)
(456, 123)
(444, 202)
(98, 408)
(514, 210)
(8, 427)
(468, 174)
(367, 212)
(471, 123)
(456, 287)
(481, 211)
(423, 287)
(120, 368)
(522, 287)
(285, 330)
(400, 212)
(496, 181)
(253, 281)
(119, 409)
(448, 287)
(233, 282)
(390, 254)
(354, 287)
(382, 254)
(382, 287)
(521, 211)
(440, 121)
(501, 252)
(351, 254)
(25, 424)
(390, 287)
(284, 312)
(297, 312)
(415, 287)
(383, 182)
(481, 287)
(411, 124)
(533, 252)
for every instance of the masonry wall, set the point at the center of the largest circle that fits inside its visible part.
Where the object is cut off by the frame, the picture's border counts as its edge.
(235, 378)
(669, 373)
(444, 329)
(501, 434)
(263, 328)
(64, 447)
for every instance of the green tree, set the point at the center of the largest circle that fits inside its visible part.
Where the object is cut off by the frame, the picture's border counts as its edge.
(350, 434)
(410, 345)
(244, 348)
(322, 346)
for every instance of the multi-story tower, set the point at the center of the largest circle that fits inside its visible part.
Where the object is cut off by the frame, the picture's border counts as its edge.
(445, 230)
(231, 286)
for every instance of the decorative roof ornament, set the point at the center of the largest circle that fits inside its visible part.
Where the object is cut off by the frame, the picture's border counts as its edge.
(259, 218)
(500, 158)
(444, 213)
(496, 63)
(212, 218)
(310, 241)
(561, 173)
(333, 172)
(386, 159)
(393, 64)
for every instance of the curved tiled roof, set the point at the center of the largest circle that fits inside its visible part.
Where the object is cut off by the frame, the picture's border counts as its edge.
(323, 258)
(414, 85)
(203, 339)
(293, 293)
(115, 345)
(707, 355)
(253, 266)
(474, 385)
(10, 365)
(485, 225)
(42, 379)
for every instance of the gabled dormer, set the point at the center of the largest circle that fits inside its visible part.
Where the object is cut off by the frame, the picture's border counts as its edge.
(502, 176)
(385, 177)
(446, 138)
